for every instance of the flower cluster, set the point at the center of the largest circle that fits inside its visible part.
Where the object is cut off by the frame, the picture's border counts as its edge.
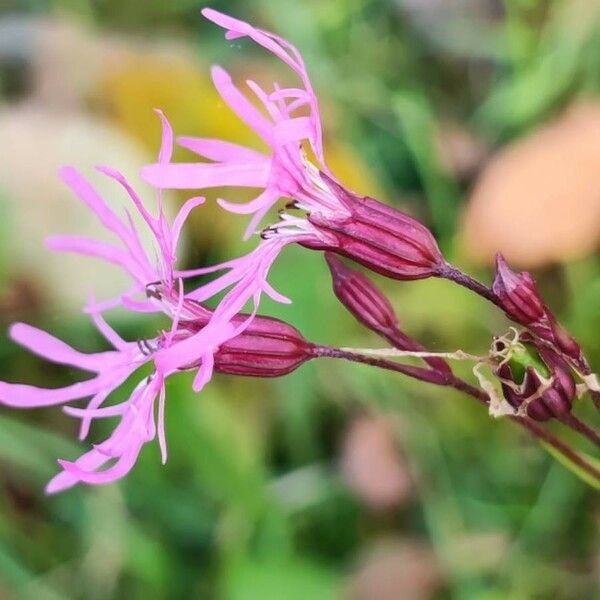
(320, 214)
(198, 339)
(331, 218)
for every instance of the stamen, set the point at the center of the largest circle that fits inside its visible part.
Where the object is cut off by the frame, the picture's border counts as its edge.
(146, 348)
(153, 290)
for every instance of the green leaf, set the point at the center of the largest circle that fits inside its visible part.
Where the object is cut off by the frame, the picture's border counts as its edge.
(576, 469)
(294, 579)
(418, 123)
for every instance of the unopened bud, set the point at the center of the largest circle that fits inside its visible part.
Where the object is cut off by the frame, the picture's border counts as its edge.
(521, 301)
(537, 377)
(378, 236)
(369, 305)
(363, 299)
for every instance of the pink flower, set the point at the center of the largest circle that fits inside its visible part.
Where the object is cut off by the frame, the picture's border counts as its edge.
(364, 229)
(196, 339)
(287, 172)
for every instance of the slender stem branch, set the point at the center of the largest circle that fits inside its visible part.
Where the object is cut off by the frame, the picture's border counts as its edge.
(581, 427)
(457, 276)
(462, 386)
(558, 444)
(539, 432)
(420, 373)
(402, 341)
(569, 419)
(451, 380)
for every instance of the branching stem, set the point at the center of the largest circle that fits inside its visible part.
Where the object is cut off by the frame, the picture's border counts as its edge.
(451, 380)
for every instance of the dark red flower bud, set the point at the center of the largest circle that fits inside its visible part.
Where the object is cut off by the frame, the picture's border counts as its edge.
(539, 377)
(267, 348)
(369, 305)
(378, 236)
(363, 299)
(521, 301)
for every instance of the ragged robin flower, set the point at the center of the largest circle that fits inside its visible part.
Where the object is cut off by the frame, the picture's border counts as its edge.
(320, 214)
(197, 339)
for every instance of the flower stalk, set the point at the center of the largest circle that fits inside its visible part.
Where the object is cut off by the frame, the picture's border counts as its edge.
(450, 380)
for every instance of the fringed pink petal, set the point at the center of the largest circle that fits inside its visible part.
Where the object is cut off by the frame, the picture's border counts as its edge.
(122, 467)
(185, 176)
(137, 421)
(96, 413)
(212, 288)
(120, 179)
(182, 216)
(228, 264)
(109, 303)
(102, 250)
(271, 107)
(166, 148)
(292, 130)
(267, 198)
(94, 201)
(287, 93)
(274, 294)
(51, 348)
(162, 438)
(283, 50)
(139, 306)
(93, 404)
(89, 461)
(258, 216)
(27, 396)
(186, 352)
(219, 150)
(205, 372)
(136, 249)
(109, 334)
(240, 105)
(176, 314)
(263, 38)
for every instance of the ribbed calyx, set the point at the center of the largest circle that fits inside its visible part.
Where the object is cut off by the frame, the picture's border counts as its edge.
(377, 236)
(537, 377)
(367, 303)
(267, 348)
(519, 297)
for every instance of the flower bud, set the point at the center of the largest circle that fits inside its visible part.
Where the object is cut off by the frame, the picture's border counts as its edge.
(537, 375)
(377, 236)
(369, 305)
(363, 299)
(521, 301)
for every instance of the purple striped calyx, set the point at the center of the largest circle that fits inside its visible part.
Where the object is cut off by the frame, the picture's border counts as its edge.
(367, 303)
(521, 301)
(267, 347)
(378, 236)
(536, 380)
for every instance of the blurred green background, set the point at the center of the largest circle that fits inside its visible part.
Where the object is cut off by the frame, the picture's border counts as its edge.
(482, 118)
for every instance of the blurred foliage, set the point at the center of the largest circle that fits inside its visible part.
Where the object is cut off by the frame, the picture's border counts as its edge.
(252, 503)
